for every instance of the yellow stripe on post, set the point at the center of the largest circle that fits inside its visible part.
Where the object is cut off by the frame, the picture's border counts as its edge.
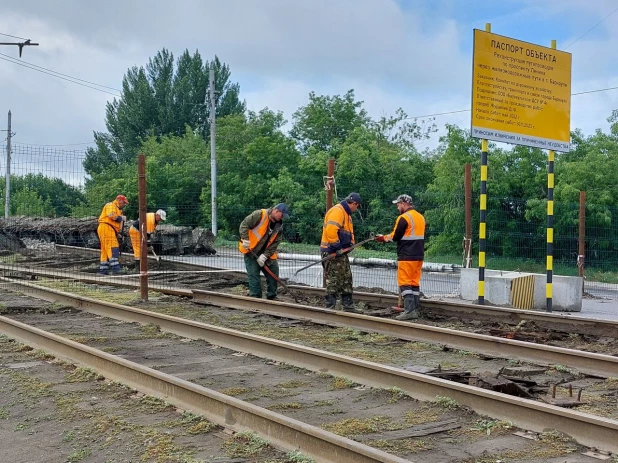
(550, 155)
(484, 173)
(550, 207)
(482, 230)
(484, 145)
(548, 290)
(550, 180)
(550, 235)
(481, 259)
(482, 288)
(483, 204)
(550, 262)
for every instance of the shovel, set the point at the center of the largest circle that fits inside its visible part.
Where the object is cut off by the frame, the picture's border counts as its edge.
(276, 278)
(157, 258)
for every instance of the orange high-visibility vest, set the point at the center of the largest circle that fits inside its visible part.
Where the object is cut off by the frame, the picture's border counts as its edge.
(257, 233)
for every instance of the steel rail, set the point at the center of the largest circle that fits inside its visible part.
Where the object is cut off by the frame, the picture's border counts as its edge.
(587, 429)
(282, 431)
(465, 310)
(586, 362)
(462, 310)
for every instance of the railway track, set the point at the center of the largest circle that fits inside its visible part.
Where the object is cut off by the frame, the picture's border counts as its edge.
(588, 429)
(586, 362)
(170, 283)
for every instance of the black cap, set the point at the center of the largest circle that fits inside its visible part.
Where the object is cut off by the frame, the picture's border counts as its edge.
(284, 209)
(354, 197)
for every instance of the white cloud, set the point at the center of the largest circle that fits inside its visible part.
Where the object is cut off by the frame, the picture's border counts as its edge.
(279, 51)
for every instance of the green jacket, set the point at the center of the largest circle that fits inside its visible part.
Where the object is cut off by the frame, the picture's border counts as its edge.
(251, 221)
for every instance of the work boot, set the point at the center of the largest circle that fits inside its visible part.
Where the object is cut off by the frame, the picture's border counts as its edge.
(348, 304)
(330, 301)
(410, 308)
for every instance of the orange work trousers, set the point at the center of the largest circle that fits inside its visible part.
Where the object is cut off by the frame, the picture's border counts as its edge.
(409, 276)
(136, 242)
(110, 250)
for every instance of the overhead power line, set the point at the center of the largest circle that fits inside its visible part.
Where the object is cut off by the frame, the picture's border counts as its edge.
(14, 36)
(586, 33)
(56, 74)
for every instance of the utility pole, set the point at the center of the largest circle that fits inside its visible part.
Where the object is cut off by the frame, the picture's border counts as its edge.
(7, 195)
(213, 152)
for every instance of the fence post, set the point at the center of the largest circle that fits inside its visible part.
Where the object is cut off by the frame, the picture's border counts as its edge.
(141, 195)
(582, 234)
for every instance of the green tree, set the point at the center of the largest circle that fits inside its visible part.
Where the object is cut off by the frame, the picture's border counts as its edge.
(159, 100)
(256, 166)
(29, 203)
(326, 121)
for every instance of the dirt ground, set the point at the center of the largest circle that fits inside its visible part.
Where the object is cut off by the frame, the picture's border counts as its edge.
(373, 416)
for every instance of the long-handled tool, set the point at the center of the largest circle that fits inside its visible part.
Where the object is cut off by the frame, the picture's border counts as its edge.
(275, 277)
(334, 254)
(157, 258)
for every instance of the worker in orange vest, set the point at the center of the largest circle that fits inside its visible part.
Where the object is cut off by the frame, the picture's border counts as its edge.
(409, 234)
(260, 235)
(152, 220)
(111, 222)
(337, 235)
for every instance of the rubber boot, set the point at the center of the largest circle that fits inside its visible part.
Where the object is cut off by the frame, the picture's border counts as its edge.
(330, 301)
(410, 306)
(348, 304)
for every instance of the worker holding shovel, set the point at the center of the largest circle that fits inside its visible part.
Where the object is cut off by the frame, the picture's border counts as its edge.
(337, 240)
(152, 220)
(409, 234)
(260, 235)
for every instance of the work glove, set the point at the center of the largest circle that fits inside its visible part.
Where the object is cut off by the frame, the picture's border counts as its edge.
(123, 218)
(387, 238)
(246, 244)
(380, 238)
(261, 260)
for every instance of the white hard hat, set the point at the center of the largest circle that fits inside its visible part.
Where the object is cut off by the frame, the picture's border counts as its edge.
(162, 214)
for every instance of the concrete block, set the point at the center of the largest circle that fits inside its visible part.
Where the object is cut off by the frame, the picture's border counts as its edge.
(499, 289)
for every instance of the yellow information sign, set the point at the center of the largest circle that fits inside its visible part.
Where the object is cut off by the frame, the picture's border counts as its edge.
(521, 93)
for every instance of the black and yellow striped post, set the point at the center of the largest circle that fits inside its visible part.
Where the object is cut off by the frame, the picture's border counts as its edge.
(550, 224)
(482, 221)
(483, 212)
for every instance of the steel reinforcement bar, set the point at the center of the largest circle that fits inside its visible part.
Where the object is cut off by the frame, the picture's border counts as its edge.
(587, 429)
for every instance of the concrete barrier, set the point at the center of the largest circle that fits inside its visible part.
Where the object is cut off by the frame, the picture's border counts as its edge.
(523, 290)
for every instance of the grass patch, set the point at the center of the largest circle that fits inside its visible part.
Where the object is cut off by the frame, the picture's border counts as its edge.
(4, 413)
(340, 383)
(83, 375)
(445, 402)
(286, 406)
(234, 391)
(354, 426)
(78, 455)
(245, 444)
(152, 404)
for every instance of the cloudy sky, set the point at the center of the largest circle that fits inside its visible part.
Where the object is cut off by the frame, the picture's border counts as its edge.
(414, 54)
